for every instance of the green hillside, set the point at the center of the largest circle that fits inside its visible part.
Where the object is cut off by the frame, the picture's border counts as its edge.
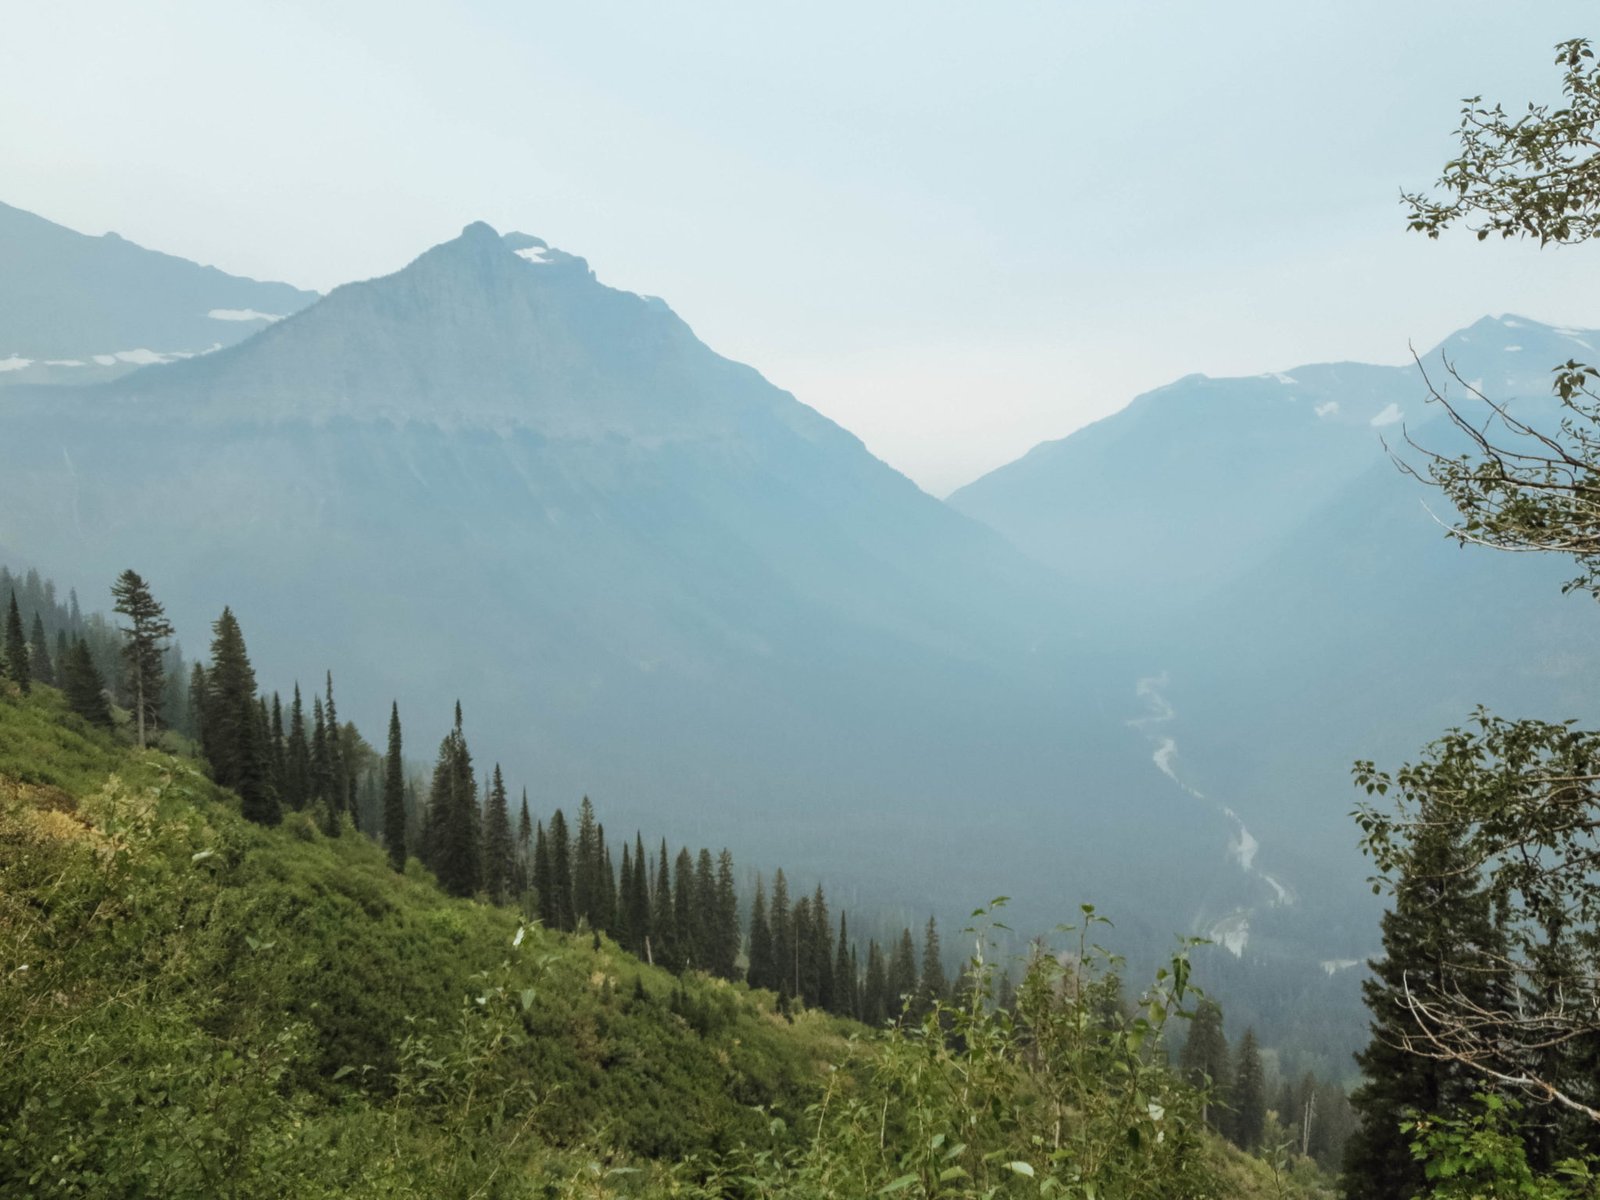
(193, 1005)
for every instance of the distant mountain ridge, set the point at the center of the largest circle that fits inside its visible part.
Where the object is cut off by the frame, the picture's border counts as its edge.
(76, 309)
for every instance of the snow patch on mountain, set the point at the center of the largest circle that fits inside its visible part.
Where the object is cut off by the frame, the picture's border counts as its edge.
(15, 363)
(1328, 408)
(242, 314)
(1388, 416)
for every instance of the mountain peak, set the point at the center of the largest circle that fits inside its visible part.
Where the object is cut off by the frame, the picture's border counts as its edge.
(479, 231)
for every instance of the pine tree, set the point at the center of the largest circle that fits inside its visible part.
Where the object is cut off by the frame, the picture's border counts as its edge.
(85, 689)
(1205, 1061)
(819, 967)
(199, 690)
(497, 844)
(1249, 1118)
(17, 648)
(39, 655)
(297, 757)
(844, 974)
(276, 754)
(623, 931)
(561, 894)
(321, 777)
(232, 724)
(1438, 939)
(543, 887)
(725, 938)
(874, 988)
(933, 987)
(902, 975)
(519, 876)
(394, 793)
(337, 773)
(663, 919)
(778, 917)
(704, 903)
(454, 816)
(586, 868)
(638, 898)
(608, 884)
(147, 632)
(683, 914)
(762, 970)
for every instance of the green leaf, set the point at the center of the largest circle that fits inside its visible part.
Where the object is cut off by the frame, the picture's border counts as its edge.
(898, 1185)
(1020, 1167)
(527, 999)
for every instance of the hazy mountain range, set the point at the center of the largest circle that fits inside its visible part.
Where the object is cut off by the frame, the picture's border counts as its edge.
(1132, 666)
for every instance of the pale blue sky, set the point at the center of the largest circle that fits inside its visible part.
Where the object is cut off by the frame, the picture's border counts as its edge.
(957, 229)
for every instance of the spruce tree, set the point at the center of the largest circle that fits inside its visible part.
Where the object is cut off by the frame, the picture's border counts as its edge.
(561, 894)
(725, 941)
(874, 988)
(497, 843)
(297, 757)
(761, 972)
(844, 975)
(147, 632)
(1249, 1118)
(778, 917)
(234, 736)
(524, 848)
(623, 931)
(85, 689)
(394, 794)
(454, 816)
(199, 690)
(1205, 1061)
(933, 987)
(17, 648)
(638, 898)
(608, 885)
(663, 919)
(902, 975)
(545, 892)
(39, 655)
(586, 868)
(338, 785)
(1439, 938)
(276, 752)
(704, 901)
(820, 953)
(321, 778)
(683, 911)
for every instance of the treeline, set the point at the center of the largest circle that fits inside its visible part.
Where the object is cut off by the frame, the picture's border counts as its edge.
(681, 911)
(1310, 1116)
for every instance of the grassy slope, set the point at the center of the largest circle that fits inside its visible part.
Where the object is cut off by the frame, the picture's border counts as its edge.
(312, 955)
(194, 1006)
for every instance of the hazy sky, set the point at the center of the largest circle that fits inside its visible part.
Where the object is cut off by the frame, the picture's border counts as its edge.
(956, 228)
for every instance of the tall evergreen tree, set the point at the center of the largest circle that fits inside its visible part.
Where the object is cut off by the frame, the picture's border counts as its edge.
(85, 689)
(297, 757)
(819, 967)
(1205, 1061)
(725, 937)
(586, 867)
(39, 654)
(522, 861)
(933, 987)
(543, 885)
(146, 636)
(17, 648)
(454, 816)
(337, 773)
(606, 918)
(394, 793)
(1439, 938)
(232, 723)
(663, 917)
(783, 948)
(199, 691)
(561, 893)
(844, 973)
(874, 988)
(277, 759)
(498, 846)
(902, 974)
(683, 911)
(762, 971)
(704, 902)
(638, 899)
(321, 777)
(1249, 1119)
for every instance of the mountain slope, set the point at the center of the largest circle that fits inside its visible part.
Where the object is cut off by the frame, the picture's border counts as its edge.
(651, 575)
(75, 308)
